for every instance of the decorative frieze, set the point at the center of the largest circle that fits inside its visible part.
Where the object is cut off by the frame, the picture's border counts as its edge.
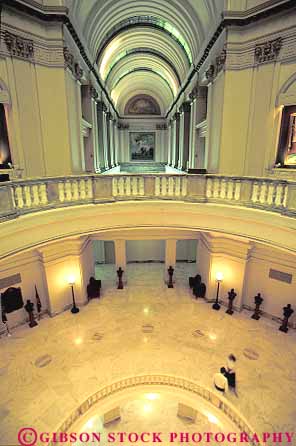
(193, 93)
(267, 51)
(161, 126)
(210, 73)
(69, 59)
(73, 66)
(93, 93)
(220, 61)
(185, 107)
(19, 46)
(122, 126)
(78, 71)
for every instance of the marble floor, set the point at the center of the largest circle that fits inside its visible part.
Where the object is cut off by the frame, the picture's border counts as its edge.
(47, 371)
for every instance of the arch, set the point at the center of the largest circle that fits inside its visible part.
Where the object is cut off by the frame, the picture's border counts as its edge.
(38, 228)
(149, 106)
(287, 93)
(141, 52)
(4, 93)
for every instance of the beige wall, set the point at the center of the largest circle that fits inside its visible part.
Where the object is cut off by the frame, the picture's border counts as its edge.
(30, 266)
(276, 294)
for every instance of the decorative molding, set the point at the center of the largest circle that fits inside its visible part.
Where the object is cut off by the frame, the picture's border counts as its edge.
(220, 61)
(185, 107)
(210, 72)
(69, 59)
(193, 93)
(19, 46)
(161, 126)
(93, 93)
(73, 66)
(122, 126)
(78, 71)
(267, 51)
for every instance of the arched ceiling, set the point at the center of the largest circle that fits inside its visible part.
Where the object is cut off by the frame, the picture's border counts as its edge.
(144, 45)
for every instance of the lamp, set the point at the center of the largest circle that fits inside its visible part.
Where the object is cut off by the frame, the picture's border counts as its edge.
(219, 278)
(71, 282)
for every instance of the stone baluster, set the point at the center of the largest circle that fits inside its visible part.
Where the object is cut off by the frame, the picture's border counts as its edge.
(42, 188)
(74, 188)
(82, 191)
(157, 186)
(68, 190)
(283, 195)
(121, 186)
(62, 196)
(128, 186)
(19, 197)
(89, 188)
(27, 195)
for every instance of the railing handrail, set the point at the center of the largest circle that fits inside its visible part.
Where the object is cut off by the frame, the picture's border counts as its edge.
(20, 196)
(156, 174)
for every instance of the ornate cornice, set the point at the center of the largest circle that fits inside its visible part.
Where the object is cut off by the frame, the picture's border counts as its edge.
(19, 46)
(73, 66)
(267, 51)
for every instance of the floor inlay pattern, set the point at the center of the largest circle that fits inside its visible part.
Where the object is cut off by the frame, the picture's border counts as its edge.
(251, 354)
(43, 397)
(43, 361)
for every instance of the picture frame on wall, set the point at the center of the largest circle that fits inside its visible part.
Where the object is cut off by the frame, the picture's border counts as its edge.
(142, 146)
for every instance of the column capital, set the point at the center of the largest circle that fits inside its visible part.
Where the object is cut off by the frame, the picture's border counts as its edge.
(185, 107)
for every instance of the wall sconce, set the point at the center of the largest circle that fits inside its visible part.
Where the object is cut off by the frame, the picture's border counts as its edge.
(219, 278)
(71, 282)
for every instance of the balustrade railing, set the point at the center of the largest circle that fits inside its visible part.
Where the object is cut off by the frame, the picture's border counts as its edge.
(23, 196)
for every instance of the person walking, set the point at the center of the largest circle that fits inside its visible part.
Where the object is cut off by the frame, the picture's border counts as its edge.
(220, 380)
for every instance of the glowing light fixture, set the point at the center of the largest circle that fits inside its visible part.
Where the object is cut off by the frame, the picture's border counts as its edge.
(71, 282)
(152, 396)
(219, 278)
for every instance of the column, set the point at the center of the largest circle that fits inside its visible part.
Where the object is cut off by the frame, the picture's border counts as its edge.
(62, 260)
(179, 161)
(170, 256)
(192, 137)
(184, 136)
(120, 257)
(101, 117)
(173, 148)
(95, 131)
(169, 158)
(177, 140)
(105, 138)
(111, 141)
(116, 143)
(227, 256)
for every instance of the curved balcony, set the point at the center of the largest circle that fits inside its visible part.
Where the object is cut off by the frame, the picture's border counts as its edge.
(37, 211)
(25, 196)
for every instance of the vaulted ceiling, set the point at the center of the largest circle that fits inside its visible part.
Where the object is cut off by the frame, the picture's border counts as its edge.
(144, 46)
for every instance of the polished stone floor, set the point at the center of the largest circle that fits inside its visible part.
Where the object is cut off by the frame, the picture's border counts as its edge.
(47, 371)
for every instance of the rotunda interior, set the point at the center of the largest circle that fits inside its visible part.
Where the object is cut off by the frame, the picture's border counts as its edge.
(147, 222)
